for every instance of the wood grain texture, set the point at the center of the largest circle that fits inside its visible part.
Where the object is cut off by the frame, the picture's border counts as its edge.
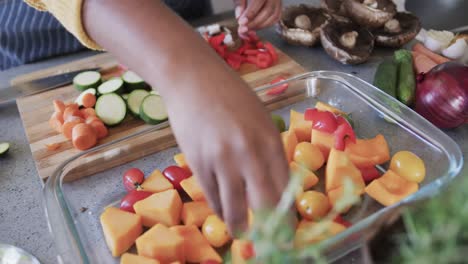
(36, 110)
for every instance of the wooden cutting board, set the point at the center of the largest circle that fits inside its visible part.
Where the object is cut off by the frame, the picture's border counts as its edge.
(35, 111)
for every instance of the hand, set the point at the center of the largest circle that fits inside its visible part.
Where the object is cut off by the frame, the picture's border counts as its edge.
(233, 148)
(257, 14)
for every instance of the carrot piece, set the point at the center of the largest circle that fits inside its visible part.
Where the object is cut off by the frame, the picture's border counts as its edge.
(70, 112)
(99, 128)
(422, 63)
(72, 105)
(68, 126)
(83, 136)
(418, 47)
(89, 100)
(87, 112)
(56, 121)
(53, 146)
(59, 106)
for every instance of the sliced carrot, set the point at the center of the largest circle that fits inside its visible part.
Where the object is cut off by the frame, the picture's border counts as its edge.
(99, 128)
(83, 136)
(422, 63)
(418, 47)
(56, 121)
(89, 100)
(87, 112)
(72, 105)
(53, 146)
(71, 111)
(68, 126)
(59, 106)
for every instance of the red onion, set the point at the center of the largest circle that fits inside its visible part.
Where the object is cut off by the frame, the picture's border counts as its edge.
(442, 95)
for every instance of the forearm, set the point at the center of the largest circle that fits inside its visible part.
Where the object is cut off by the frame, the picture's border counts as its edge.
(158, 45)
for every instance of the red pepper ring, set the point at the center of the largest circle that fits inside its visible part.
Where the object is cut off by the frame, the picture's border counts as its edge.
(343, 131)
(279, 89)
(322, 120)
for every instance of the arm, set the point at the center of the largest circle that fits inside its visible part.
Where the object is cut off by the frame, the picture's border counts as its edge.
(220, 125)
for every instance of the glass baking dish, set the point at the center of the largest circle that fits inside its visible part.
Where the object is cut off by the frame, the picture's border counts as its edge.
(73, 203)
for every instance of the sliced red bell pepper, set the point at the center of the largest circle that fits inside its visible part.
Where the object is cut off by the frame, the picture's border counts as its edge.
(338, 219)
(278, 89)
(216, 40)
(343, 131)
(271, 50)
(251, 52)
(260, 45)
(252, 37)
(369, 174)
(234, 60)
(322, 120)
(264, 60)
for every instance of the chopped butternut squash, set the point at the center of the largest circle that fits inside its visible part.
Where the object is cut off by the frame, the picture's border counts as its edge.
(324, 141)
(163, 207)
(289, 143)
(128, 258)
(161, 243)
(309, 232)
(197, 248)
(366, 153)
(121, 229)
(195, 213)
(309, 178)
(301, 127)
(156, 182)
(193, 189)
(339, 167)
(391, 188)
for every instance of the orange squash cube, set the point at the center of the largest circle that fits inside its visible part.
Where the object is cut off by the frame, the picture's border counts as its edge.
(181, 162)
(121, 229)
(309, 178)
(309, 232)
(339, 167)
(156, 182)
(326, 107)
(324, 141)
(366, 153)
(163, 207)
(193, 189)
(390, 188)
(289, 143)
(301, 127)
(161, 243)
(195, 213)
(242, 251)
(197, 248)
(128, 258)
(335, 195)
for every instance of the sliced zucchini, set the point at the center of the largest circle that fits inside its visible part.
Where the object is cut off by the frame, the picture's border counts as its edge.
(153, 110)
(111, 109)
(87, 79)
(114, 85)
(4, 147)
(79, 99)
(133, 81)
(154, 92)
(134, 100)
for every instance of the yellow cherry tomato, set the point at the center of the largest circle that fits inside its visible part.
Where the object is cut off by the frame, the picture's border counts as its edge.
(312, 205)
(309, 156)
(409, 166)
(215, 231)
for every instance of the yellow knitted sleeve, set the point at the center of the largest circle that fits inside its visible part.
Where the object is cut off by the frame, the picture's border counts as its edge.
(68, 12)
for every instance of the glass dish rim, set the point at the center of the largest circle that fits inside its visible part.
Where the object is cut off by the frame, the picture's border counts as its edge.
(53, 197)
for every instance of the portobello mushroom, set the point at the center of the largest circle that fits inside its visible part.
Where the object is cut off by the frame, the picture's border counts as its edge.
(347, 43)
(334, 7)
(398, 31)
(370, 13)
(301, 24)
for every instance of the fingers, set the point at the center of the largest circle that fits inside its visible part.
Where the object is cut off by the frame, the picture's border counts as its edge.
(233, 197)
(251, 11)
(209, 185)
(274, 18)
(266, 16)
(240, 7)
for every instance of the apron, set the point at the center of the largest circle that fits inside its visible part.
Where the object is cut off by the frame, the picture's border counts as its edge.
(28, 35)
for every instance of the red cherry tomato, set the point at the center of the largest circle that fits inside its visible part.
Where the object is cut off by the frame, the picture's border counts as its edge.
(322, 120)
(338, 219)
(133, 178)
(369, 174)
(278, 89)
(175, 175)
(131, 198)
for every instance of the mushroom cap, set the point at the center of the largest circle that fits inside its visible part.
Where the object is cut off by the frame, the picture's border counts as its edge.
(410, 27)
(288, 31)
(369, 17)
(334, 6)
(330, 38)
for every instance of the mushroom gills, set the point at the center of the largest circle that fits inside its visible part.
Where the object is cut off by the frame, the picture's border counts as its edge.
(349, 39)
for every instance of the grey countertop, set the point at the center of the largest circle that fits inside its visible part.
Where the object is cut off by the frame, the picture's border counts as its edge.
(22, 218)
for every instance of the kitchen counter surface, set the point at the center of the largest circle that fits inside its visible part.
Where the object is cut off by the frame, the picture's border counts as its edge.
(22, 218)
